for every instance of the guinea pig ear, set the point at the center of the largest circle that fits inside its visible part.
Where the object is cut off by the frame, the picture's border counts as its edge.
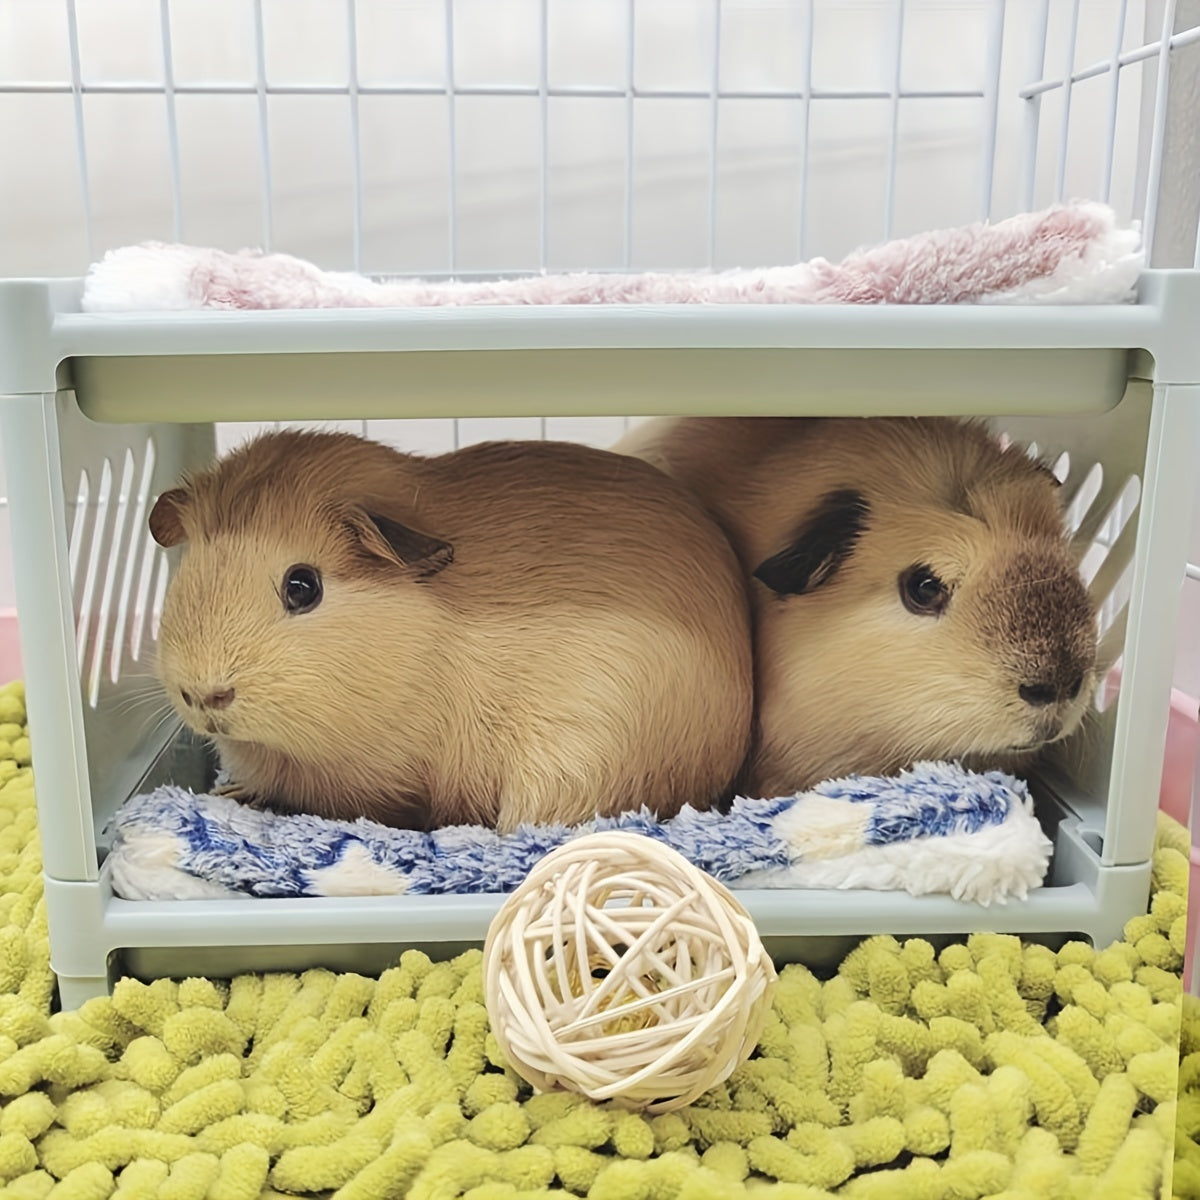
(400, 545)
(166, 517)
(1046, 469)
(819, 546)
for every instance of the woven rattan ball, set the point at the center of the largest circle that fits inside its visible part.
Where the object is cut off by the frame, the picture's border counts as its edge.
(620, 970)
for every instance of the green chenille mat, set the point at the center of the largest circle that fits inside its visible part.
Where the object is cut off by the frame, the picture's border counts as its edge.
(991, 1069)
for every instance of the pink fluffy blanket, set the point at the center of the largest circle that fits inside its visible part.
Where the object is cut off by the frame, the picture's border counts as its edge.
(1067, 254)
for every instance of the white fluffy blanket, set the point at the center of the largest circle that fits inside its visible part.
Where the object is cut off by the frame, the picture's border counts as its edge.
(935, 829)
(1067, 254)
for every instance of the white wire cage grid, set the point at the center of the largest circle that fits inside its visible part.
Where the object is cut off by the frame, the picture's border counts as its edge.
(1037, 100)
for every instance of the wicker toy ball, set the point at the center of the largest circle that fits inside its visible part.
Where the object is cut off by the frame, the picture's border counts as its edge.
(620, 970)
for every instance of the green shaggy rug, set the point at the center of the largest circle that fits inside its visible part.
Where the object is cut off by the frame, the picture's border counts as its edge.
(990, 1069)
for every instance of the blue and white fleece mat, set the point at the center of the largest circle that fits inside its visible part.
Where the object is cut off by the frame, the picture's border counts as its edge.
(936, 828)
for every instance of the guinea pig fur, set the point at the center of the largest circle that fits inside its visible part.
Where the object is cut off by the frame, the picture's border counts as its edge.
(914, 592)
(513, 632)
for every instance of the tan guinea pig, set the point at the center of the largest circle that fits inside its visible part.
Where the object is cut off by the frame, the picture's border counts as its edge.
(512, 632)
(914, 592)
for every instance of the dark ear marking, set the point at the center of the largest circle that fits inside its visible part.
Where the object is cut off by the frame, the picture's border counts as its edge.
(1036, 461)
(1047, 470)
(413, 548)
(819, 546)
(166, 518)
(393, 542)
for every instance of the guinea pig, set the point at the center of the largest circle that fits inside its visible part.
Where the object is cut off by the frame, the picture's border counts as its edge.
(510, 633)
(914, 592)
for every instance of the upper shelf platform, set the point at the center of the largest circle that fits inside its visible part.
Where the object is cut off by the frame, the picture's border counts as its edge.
(593, 360)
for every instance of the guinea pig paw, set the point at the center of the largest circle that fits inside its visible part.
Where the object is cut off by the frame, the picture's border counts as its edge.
(232, 790)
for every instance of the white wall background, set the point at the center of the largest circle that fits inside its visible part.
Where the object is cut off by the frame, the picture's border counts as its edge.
(113, 130)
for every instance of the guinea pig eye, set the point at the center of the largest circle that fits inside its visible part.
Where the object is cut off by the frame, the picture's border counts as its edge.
(923, 592)
(301, 590)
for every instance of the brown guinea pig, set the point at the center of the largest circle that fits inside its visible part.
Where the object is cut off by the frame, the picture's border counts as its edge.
(512, 632)
(914, 592)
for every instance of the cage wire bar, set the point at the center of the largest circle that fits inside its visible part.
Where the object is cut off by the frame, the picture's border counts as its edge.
(1060, 180)
(264, 130)
(168, 60)
(630, 113)
(889, 203)
(1032, 113)
(75, 87)
(1114, 96)
(991, 114)
(1159, 128)
(714, 133)
(452, 153)
(543, 136)
(355, 131)
(805, 127)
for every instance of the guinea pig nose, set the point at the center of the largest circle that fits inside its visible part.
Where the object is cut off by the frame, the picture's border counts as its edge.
(187, 698)
(1038, 694)
(1074, 686)
(221, 699)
